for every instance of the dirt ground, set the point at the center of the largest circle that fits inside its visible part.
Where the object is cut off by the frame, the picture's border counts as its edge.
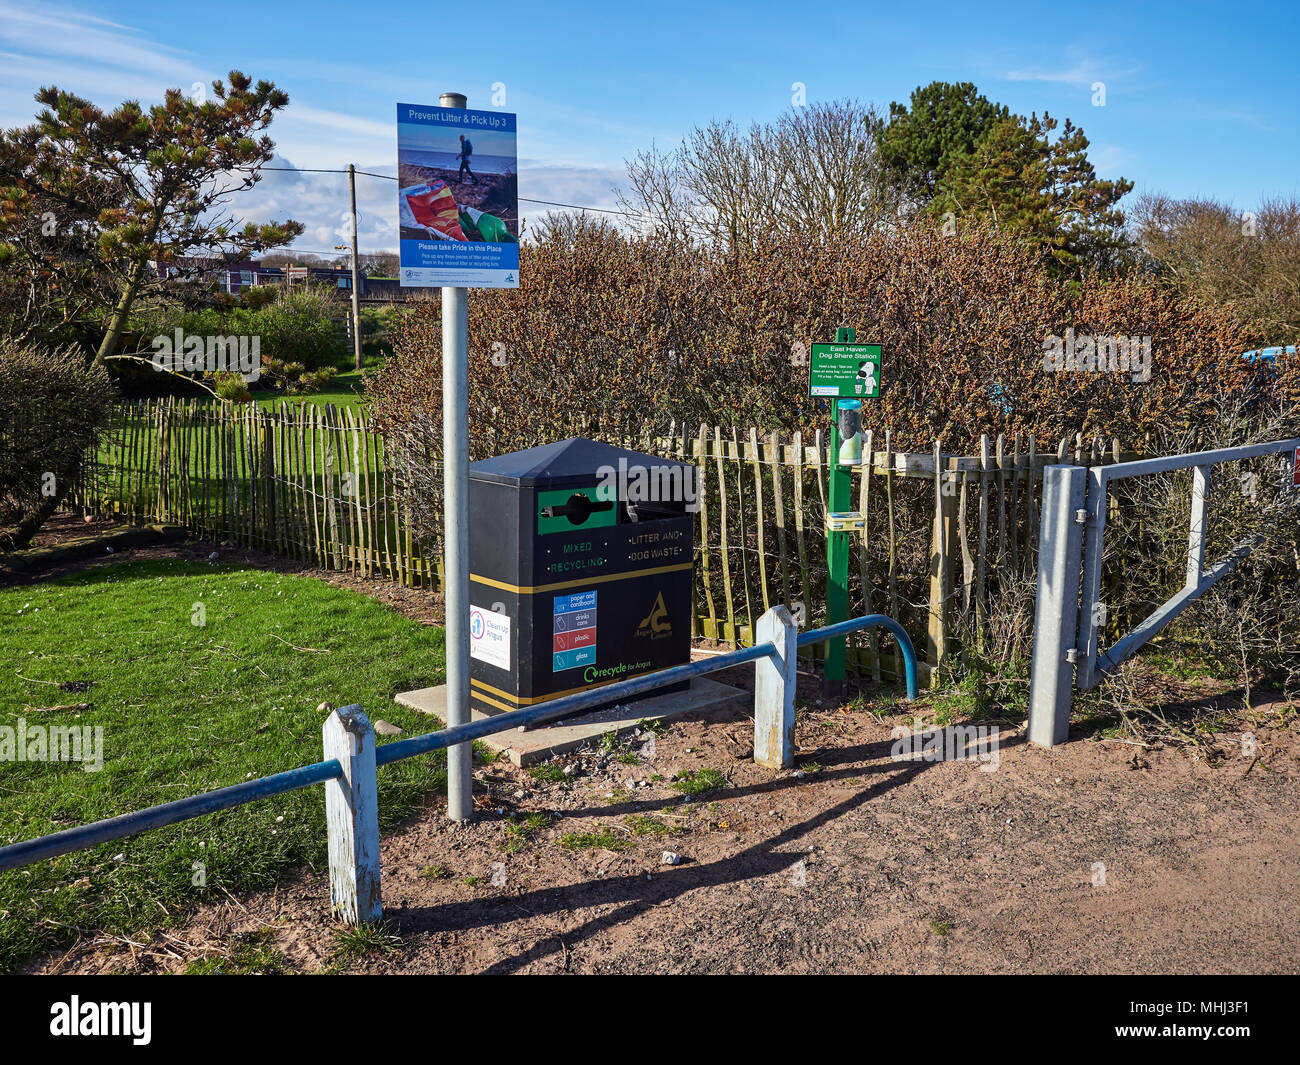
(1097, 856)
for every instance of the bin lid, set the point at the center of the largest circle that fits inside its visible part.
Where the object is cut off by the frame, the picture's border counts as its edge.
(568, 462)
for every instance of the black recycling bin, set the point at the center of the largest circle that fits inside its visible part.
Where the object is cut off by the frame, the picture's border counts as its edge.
(580, 571)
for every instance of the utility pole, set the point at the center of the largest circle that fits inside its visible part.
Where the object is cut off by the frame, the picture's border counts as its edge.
(356, 294)
(455, 527)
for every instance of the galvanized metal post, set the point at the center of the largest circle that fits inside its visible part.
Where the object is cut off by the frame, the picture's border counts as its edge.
(352, 817)
(455, 526)
(1060, 557)
(774, 685)
(1091, 609)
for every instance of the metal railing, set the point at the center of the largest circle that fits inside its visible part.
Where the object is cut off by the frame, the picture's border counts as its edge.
(168, 813)
(351, 757)
(1071, 550)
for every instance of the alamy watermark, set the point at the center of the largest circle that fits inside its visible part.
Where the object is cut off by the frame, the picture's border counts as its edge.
(208, 354)
(53, 743)
(951, 743)
(77, 1018)
(1098, 353)
(634, 483)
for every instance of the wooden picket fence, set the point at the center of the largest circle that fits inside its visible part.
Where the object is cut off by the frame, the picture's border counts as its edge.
(302, 481)
(946, 534)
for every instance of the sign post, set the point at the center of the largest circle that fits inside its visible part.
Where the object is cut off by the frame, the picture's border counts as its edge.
(846, 373)
(458, 209)
(455, 530)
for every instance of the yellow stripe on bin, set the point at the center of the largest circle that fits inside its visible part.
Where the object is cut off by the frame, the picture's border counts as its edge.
(492, 702)
(583, 582)
(530, 700)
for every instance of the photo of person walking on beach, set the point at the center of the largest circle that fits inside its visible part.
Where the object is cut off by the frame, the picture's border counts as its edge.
(466, 150)
(449, 191)
(457, 199)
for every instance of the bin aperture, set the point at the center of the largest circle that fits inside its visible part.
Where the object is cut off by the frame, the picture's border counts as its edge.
(581, 558)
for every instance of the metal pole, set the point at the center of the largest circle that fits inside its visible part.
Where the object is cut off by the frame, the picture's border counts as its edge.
(356, 295)
(1090, 606)
(455, 562)
(1060, 555)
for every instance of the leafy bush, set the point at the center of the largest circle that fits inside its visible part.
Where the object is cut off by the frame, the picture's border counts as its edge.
(53, 408)
(231, 386)
(294, 378)
(297, 327)
(376, 332)
(636, 330)
(639, 329)
(292, 325)
(257, 297)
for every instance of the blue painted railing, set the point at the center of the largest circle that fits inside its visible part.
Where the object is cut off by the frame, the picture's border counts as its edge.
(75, 839)
(42, 847)
(870, 621)
(559, 709)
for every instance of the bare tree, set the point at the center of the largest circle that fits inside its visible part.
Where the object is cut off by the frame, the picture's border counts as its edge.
(1247, 260)
(833, 183)
(813, 173)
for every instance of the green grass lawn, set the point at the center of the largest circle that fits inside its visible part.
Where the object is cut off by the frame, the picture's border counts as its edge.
(186, 708)
(344, 391)
(199, 457)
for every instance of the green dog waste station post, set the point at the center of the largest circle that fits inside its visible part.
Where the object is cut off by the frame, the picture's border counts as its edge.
(846, 373)
(581, 565)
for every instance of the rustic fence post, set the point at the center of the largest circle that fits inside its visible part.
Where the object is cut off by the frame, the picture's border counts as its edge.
(774, 684)
(352, 817)
(943, 548)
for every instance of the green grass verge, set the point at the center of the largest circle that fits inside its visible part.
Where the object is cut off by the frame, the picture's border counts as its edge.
(345, 390)
(699, 781)
(184, 709)
(602, 839)
(251, 954)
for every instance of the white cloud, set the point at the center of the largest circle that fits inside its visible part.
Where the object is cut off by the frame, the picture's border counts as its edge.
(109, 62)
(1084, 73)
(1072, 66)
(364, 127)
(38, 29)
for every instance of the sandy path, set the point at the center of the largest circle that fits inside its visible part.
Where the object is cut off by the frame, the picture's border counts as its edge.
(866, 864)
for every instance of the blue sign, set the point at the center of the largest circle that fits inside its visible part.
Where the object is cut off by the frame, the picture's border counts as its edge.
(458, 197)
(581, 601)
(580, 656)
(574, 631)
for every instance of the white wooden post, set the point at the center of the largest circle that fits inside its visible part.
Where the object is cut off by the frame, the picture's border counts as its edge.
(352, 814)
(774, 682)
(1198, 532)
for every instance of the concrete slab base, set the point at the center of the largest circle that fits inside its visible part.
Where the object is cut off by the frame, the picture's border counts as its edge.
(537, 745)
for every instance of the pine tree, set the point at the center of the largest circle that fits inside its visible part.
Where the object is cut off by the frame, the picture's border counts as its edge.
(945, 123)
(1043, 189)
(134, 189)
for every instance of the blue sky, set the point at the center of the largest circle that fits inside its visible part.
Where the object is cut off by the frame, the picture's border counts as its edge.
(1200, 99)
